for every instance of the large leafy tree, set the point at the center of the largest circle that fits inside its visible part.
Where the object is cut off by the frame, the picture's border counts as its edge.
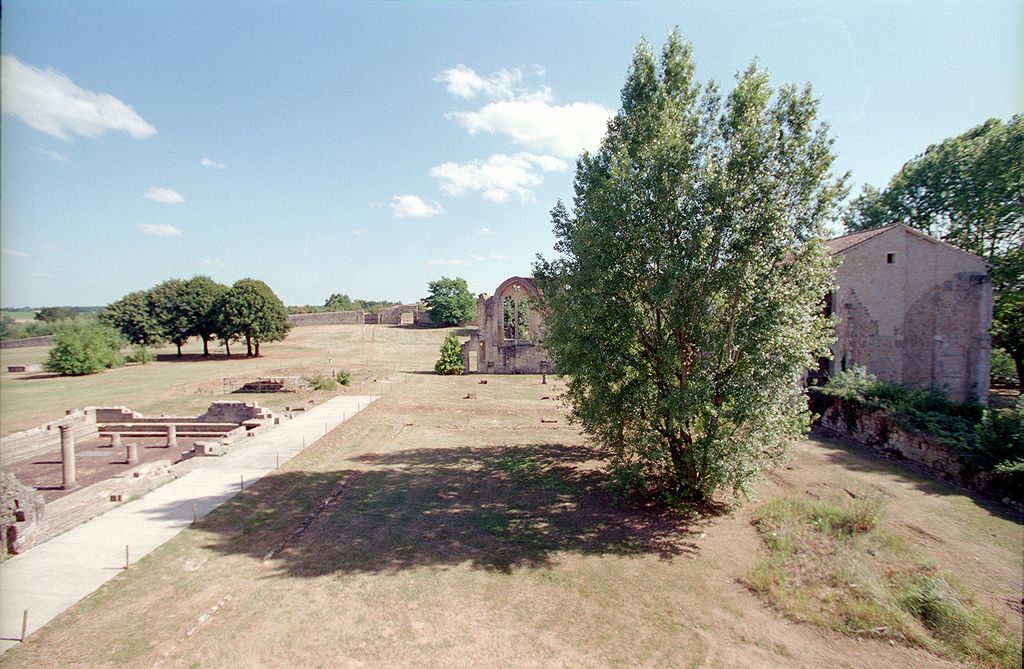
(201, 295)
(685, 301)
(136, 317)
(968, 191)
(449, 301)
(253, 312)
(170, 304)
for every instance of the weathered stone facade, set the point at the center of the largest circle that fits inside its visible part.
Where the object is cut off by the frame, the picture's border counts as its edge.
(912, 310)
(509, 332)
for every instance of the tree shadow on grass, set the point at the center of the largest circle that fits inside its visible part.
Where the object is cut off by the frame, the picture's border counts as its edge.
(498, 508)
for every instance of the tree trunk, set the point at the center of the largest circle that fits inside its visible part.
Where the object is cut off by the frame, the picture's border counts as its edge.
(257, 348)
(248, 347)
(179, 348)
(227, 347)
(206, 347)
(1018, 362)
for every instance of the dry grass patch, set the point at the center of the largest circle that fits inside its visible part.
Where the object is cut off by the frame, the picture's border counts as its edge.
(829, 563)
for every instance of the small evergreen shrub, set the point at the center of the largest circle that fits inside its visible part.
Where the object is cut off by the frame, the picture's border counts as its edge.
(343, 377)
(84, 348)
(450, 361)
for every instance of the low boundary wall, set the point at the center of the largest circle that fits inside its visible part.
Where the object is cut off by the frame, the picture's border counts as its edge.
(45, 340)
(327, 318)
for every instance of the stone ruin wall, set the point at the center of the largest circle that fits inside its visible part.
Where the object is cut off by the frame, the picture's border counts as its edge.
(920, 321)
(44, 340)
(327, 318)
(45, 438)
(89, 423)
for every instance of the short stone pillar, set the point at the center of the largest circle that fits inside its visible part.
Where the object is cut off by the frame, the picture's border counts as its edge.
(67, 457)
(131, 452)
(115, 440)
(172, 436)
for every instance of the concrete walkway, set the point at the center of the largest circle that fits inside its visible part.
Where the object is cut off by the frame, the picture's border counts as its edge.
(53, 576)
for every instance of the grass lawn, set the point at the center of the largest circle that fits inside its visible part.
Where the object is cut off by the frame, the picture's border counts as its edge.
(447, 525)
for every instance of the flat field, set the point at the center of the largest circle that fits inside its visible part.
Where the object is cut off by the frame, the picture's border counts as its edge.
(187, 385)
(475, 527)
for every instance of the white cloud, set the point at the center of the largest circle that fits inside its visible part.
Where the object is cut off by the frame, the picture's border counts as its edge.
(164, 195)
(486, 232)
(159, 229)
(465, 82)
(50, 102)
(13, 254)
(451, 263)
(208, 162)
(490, 258)
(539, 70)
(59, 157)
(497, 179)
(357, 233)
(412, 206)
(209, 262)
(563, 130)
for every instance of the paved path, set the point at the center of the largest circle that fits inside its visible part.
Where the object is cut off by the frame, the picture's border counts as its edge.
(53, 576)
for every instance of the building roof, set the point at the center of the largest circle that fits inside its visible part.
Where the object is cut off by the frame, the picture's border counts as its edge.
(847, 242)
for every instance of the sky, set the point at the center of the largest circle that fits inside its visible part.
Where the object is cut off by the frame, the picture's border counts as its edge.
(369, 148)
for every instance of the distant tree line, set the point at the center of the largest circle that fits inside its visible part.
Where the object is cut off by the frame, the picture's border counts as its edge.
(178, 310)
(48, 321)
(342, 302)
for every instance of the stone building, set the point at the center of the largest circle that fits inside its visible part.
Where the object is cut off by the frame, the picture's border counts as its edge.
(508, 338)
(912, 310)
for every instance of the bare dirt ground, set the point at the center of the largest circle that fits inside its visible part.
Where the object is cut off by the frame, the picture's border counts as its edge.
(447, 525)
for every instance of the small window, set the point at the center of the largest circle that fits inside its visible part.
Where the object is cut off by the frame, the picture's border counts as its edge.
(890, 258)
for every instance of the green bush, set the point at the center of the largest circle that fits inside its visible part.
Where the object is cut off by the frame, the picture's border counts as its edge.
(1003, 370)
(84, 348)
(343, 377)
(990, 438)
(321, 382)
(141, 355)
(450, 361)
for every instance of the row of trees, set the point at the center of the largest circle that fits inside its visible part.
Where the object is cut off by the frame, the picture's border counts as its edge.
(342, 302)
(177, 310)
(968, 191)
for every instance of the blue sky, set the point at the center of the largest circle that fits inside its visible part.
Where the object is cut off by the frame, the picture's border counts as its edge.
(370, 148)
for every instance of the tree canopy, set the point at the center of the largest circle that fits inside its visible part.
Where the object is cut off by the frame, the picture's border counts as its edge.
(84, 348)
(685, 300)
(449, 301)
(136, 318)
(253, 312)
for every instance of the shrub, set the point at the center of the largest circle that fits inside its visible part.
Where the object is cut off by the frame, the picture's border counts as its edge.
(84, 348)
(141, 355)
(450, 361)
(993, 439)
(343, 377)
(1003, 371)
(321, 382)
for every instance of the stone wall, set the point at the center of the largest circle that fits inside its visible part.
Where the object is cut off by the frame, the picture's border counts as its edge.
(45, 340)
(885, 435)
(21, 515)
(223, 417)
(327, 318)
(515, 347)
(46, 437)
(913, 310)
